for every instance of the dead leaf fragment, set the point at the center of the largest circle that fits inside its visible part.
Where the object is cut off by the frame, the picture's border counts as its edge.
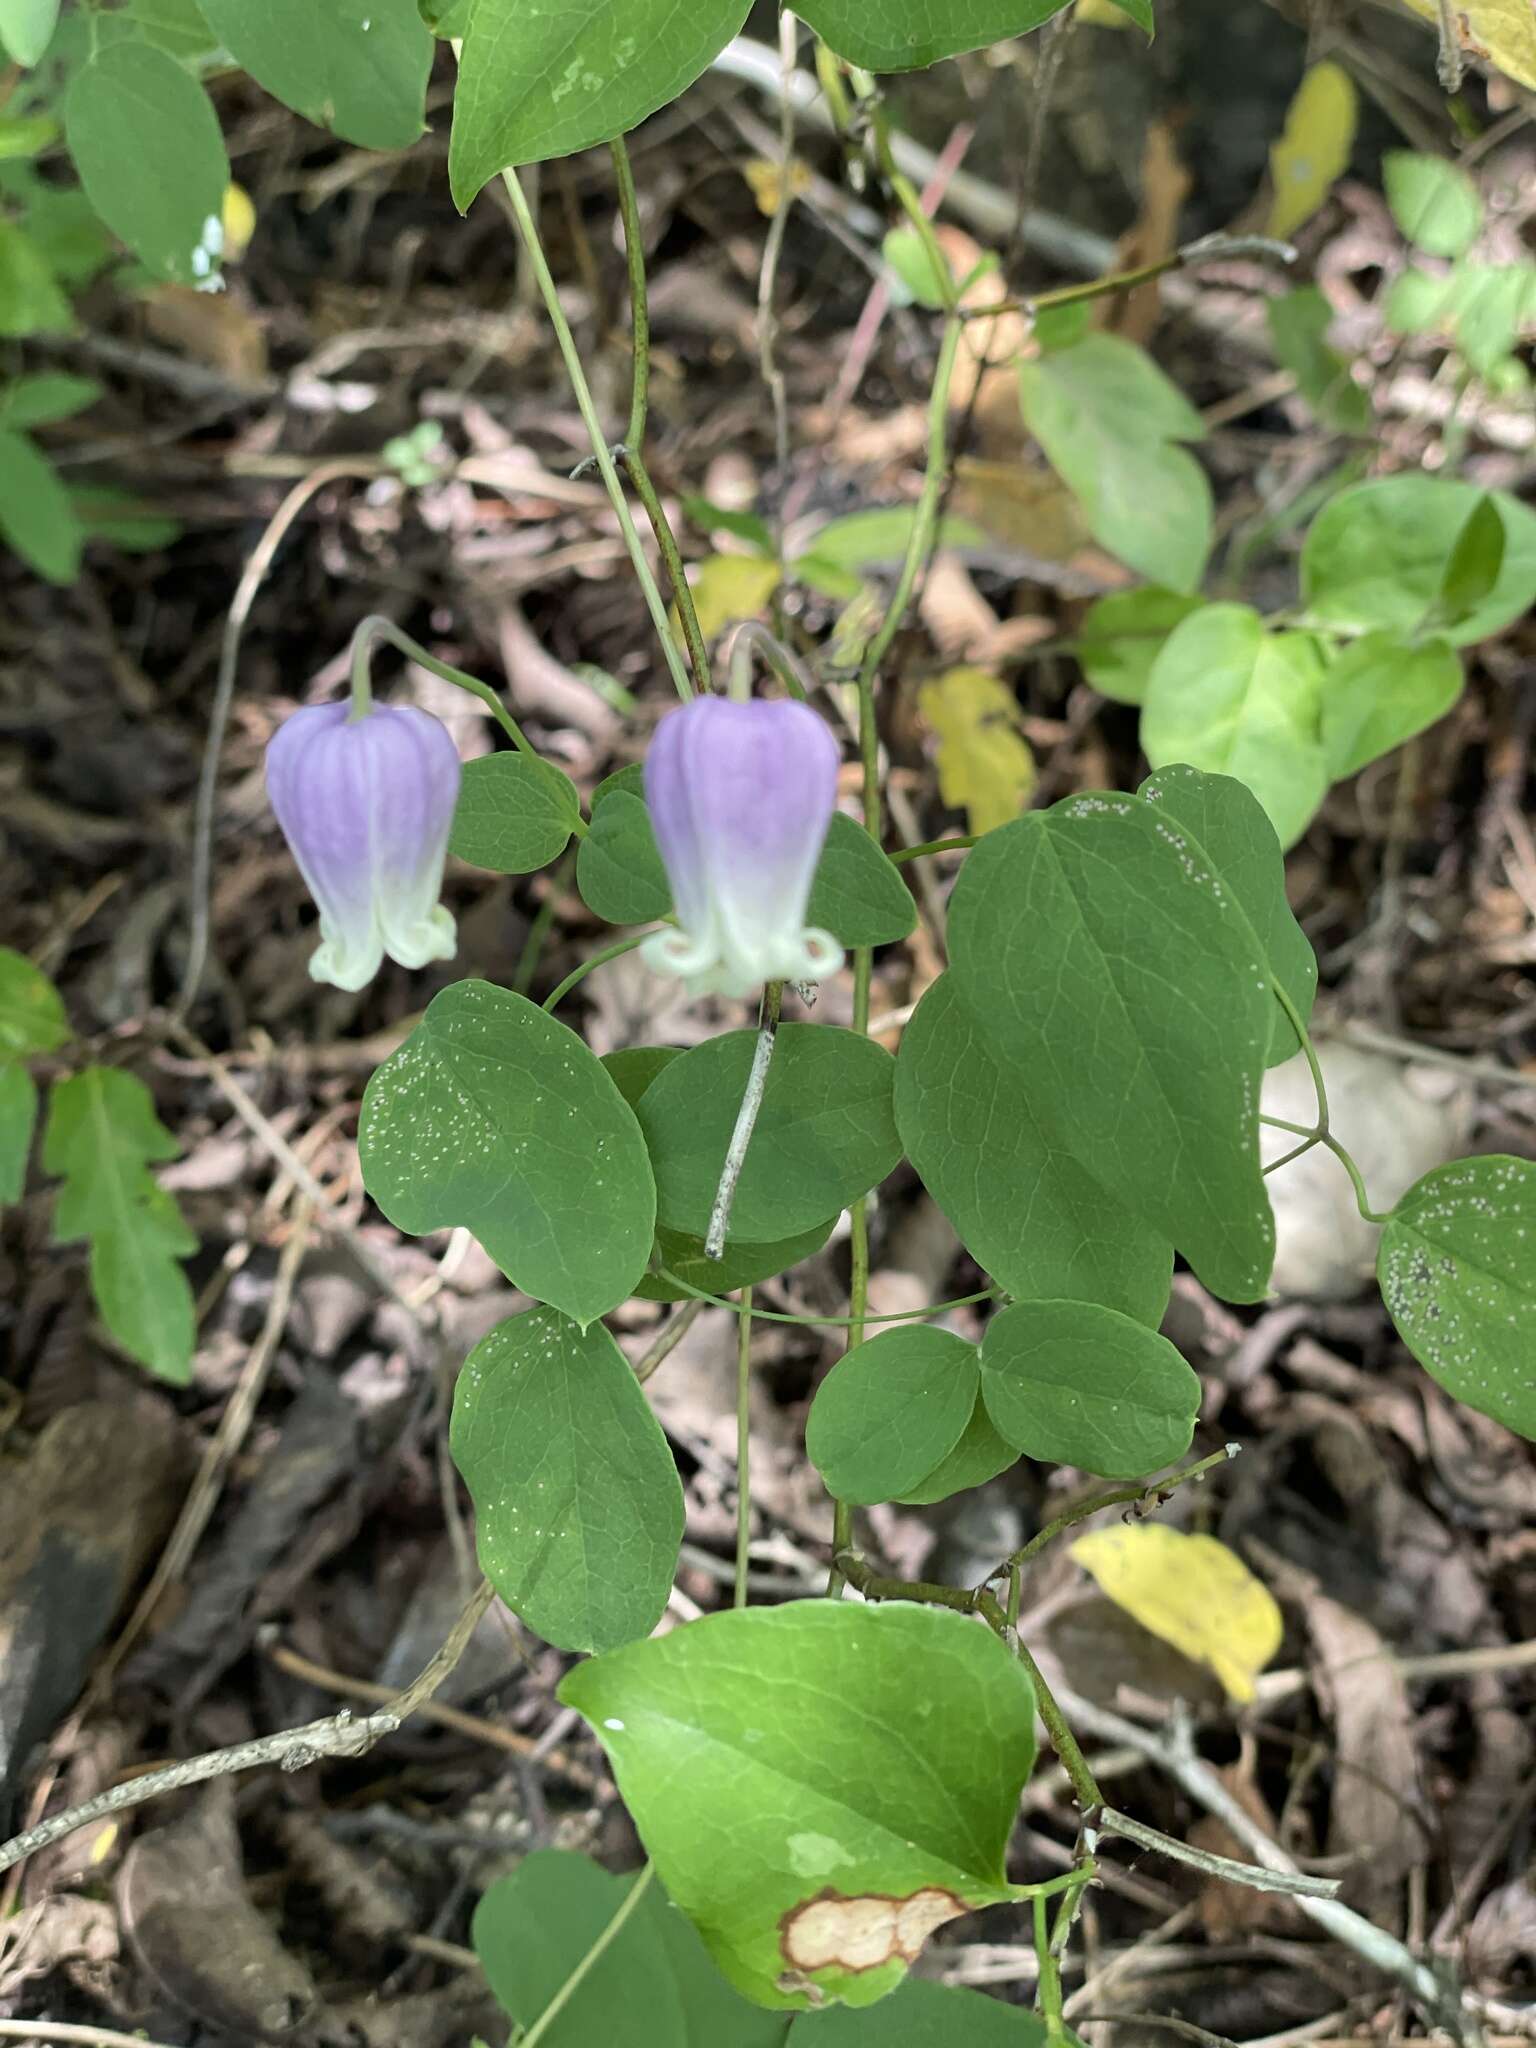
(1501, 32)
(1193, 1592)
(1314, 147)
(985, 766)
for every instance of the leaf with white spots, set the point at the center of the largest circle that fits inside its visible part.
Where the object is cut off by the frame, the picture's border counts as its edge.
(494, 1116)
(819, 1785)
(1457, 1269)
(578, 1506)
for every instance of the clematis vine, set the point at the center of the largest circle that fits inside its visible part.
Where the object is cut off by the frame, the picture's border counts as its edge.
(365, 797)
(741, 796)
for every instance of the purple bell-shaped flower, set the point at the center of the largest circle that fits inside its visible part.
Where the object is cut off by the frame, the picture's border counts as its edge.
(741, 796)
(366, 804)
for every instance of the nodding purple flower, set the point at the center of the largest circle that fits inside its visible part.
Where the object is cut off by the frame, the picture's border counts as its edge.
(366, 804)
(741, 796)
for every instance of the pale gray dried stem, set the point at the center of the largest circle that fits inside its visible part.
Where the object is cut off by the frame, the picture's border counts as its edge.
(292, 1749)
(746, 1123)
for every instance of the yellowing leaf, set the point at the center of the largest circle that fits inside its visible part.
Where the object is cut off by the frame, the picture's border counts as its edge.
(985, 766)
(239, 222)
(766, 177)
(1501, 32)
(728, 587)
(1192, 1592)
(1104, 12)
(1313, 148)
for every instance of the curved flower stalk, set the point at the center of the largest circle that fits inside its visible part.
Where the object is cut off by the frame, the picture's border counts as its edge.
(366, 805)
(741, 796)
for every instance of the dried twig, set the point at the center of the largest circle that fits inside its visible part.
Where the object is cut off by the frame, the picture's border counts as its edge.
(293, 1749)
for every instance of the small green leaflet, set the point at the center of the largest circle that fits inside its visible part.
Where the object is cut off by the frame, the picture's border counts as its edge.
(858, 894)
(905, 35)
(890, 1412)
(742, 1265)
(32, 1015)
(178, 26)
(1117, 979)
(811, 1837)
(102, 1135)
(578, 1506)
(1457, 1269)
(1229, 823)
(514, 814)
(618, 869)
(1381, 690)
(1110, 423)
(1122, 635)
(30, 299)
(1376, 557)
(979, 1456)
(26, 28)
(1027, 1210)
(1071, 1383)
(1472, 573)
(544, 78)
(881, 536)
(824, 1136)
(495, 1116)
(1435, 203)
(653, 1987)
(1298, 331)
(40, 400)
(1228, 696)
(37, 518)
(357, 67)
(18, 1117)
(147, 145)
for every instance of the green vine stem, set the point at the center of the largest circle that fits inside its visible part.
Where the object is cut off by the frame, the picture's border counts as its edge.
(580, 972)
(1208, 249)
(743, 1448)
(633, 449)
(528, 231)
(593, 1956)
(1152, 1494)
(768, 1315)
(1318, 1133)
(375, 628)
(961, 843)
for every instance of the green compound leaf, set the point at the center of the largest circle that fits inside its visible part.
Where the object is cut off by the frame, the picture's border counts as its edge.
(514, 814)
(1122, 635)
(1228, 696)
(1434, 202)
(1229, 823)
(102, 1135)
(357, 67)
(923, 2015)
(904, 35)
(1115, 976)
(1071, 1383)
(147, 145)
(37, 518)
(544, 78)
(825, 1134)
(494, 1116)
(1457, 1269)
(1108, 420)
(32, 1015)
(858, 895)
(618, 868)
(979, 1456)
(578, 1506)
(890, 1412)
(1382, 690)
(1376, 557)
(742, 1265)
(818, 1847)
(654, 1986)
(26, 28)
(18, 1119)
(1027, 1210)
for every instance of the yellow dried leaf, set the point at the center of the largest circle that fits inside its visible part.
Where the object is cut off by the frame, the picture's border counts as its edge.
(730, 587)
(766, 177)
(985, 766)
(239, 222)
(1190, 1591)
(1104, 12)
(1313, 148)
(1499, 32)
